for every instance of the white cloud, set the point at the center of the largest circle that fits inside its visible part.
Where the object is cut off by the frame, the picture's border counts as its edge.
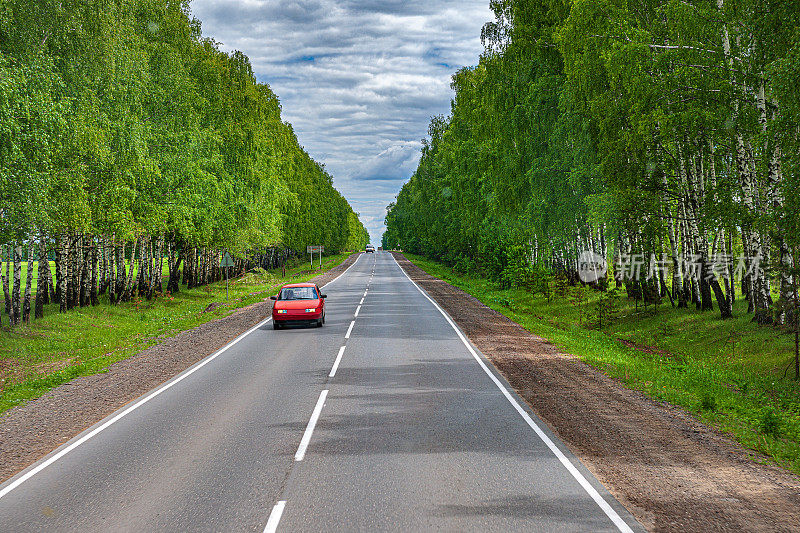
(358, 80)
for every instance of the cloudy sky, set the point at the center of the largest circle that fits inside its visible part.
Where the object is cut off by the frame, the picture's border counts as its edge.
(358, 80)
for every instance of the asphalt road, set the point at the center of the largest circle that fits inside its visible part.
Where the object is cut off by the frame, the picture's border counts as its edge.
(385, 419)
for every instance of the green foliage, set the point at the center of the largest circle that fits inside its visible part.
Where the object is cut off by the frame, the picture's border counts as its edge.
(771, 422)
(118, 118)
(651, 128)
(708, 402)
(607, 308)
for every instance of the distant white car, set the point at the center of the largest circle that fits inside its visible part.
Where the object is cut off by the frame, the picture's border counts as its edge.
(370, 249)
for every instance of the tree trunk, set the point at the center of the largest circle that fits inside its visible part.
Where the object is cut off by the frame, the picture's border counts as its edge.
(128, 290)
(77, 255)
(121, 271)
(159, 266)
(62, 271)
(86, 271)
(71, 267)
(93, 262)
(42, 281)
(102, 265)
(112, 273)
(141, 270)
(6, 278)
(173, 286)
(6, 289)
(26, 304)
(187, 266)
(16, 291)
(756, 285)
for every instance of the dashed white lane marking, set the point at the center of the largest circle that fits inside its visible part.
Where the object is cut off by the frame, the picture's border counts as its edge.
(361, 302)
(336, 364)
(350, 329)
(275, 517)
(301, 451)
(357, 311)
(563, 459)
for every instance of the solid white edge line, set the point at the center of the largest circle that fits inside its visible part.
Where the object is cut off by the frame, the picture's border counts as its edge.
(30, 473)
(166, 386)
(357, 311)
(345, 272)
(598, 499)
(350, 329)
(301, 451)
(275, 517)
(336, 363)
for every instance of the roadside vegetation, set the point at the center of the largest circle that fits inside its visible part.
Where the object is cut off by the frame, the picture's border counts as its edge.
(128, 140)
(659, 136)
(622, 179)
(37, 357)
(731, 374)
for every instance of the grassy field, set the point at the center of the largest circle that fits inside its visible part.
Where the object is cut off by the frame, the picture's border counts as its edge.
(729, 373)
(25, 275)
(34, 280)
(61, 347)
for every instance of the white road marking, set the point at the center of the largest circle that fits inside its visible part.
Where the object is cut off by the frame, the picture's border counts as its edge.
(361, 302)
(275, 517)
(590, 490)
(350, 329)
(166, 386)
(336, 364)
(33, 471)
(301, 451)
(357, 310)
(343, 273)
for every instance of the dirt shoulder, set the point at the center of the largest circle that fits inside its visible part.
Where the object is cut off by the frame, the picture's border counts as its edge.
(32, 430)
(672, 472)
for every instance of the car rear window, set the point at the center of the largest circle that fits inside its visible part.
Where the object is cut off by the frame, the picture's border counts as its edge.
(298, 293)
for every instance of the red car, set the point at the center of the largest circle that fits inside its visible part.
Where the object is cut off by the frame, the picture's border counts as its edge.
(298, 303)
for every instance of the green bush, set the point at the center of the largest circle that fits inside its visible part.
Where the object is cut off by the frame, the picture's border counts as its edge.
(771, 422)
(708, 402)
(464, 265)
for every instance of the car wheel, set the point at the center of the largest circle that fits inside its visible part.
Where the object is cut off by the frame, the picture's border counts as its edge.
(275, 325)
(320, 322)
(323, 317)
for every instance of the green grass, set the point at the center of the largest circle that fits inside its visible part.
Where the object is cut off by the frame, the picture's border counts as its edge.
(34, 280)
(24, 277)
(37, 357)
(730, 374)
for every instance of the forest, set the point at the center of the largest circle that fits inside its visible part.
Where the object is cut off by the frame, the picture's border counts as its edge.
(129, 145)
(662, 136)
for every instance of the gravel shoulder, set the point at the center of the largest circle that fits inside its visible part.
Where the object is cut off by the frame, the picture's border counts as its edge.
(32, 430)
(671, 471)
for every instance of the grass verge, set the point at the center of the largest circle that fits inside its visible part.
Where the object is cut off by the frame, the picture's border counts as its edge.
(60, 347)
(730, 374)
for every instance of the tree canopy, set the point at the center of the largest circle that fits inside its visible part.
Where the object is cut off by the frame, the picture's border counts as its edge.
(660, 129)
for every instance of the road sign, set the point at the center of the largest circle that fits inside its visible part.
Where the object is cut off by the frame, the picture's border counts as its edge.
(227, 261)
(315, 250)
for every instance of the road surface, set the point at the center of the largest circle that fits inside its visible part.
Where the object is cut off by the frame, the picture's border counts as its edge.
(386, 419)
